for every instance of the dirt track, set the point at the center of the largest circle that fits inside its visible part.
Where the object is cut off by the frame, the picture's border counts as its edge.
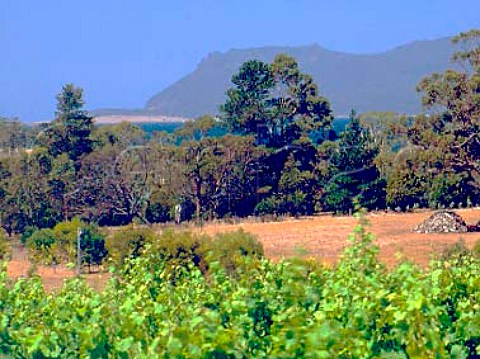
(323, 238)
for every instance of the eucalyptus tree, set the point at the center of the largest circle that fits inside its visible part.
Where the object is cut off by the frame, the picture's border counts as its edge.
(221, 175)
(448, 134)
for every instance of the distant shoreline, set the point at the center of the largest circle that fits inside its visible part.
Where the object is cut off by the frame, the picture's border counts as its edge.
(115, 119)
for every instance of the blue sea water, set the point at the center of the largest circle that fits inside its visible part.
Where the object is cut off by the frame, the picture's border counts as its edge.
(167, 127)
(338, 126)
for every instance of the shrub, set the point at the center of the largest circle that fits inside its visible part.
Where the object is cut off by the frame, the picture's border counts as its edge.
(4, 247)
(184, 249)
(457, 251)
(127, 243)
(59, 244)
(267, 206)
(66, 234)
(92, 246)
(42, 245)
(188, 209)
(476, 248)
(158, 213)
(231, 249)
(228, 249)
(181, 248)
(27, 233)
(448, 190)
(406, 188)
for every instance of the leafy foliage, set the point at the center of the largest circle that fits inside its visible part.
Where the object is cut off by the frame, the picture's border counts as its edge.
(276, 103)
(127, 244)
(182, 249)
(43, 246)
(92, 246)
(350, 175)
(57, 245)
(357, 309)
(70, 131)
(4, 246)
(231, 250)
(448, 135)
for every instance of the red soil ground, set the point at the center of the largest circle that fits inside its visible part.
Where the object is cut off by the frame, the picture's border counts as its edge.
(323, 238)
(20, 266)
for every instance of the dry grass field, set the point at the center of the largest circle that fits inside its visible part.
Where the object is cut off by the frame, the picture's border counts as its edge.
(325, 237)
(322, 238)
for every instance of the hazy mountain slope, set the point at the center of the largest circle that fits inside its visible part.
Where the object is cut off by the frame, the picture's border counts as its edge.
(373, 82)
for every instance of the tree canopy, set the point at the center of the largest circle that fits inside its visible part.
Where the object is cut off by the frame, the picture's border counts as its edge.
(450, 131)
(276, 102)
(70, 131)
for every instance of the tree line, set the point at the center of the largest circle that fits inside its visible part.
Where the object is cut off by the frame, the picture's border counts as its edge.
(280, 155)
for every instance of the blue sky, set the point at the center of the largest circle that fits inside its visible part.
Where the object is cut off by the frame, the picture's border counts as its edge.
(123, 52)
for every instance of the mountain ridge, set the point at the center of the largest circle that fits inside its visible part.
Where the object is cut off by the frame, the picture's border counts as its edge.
(383, 81)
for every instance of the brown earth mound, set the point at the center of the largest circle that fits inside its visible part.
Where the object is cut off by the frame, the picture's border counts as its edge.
(443, 222)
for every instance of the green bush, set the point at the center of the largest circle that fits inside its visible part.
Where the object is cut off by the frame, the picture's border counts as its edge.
(268, 205)
(26, 234)
(92, 247)
(66, 234)
(455, 252)
(4, 247)
(184, 249)
(59, 245)
(43, 246)
(231, 249)
(476, 248)
(448, 190)
(181, 248)
(127, 243)
(158, 213)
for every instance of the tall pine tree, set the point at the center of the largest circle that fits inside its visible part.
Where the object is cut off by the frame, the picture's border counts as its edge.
(352, 177)
(70, 131)
(276, 103)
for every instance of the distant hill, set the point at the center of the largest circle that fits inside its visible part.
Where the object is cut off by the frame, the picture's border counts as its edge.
(371, 82)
